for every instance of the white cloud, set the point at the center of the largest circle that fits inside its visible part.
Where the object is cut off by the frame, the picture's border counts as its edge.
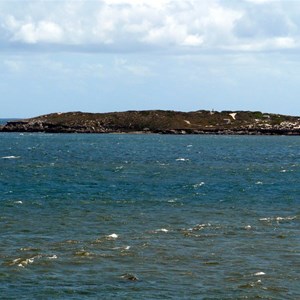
(32, 32)
(170, 33)
(259, 1)
(266, 45)
(43, 31)
(193, 40)
(285, 43)
(157, 4)
(130, 25)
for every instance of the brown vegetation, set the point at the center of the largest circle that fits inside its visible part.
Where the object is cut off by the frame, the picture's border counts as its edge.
(159, 121)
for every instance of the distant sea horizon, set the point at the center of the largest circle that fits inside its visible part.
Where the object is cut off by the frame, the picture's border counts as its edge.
(5, 120)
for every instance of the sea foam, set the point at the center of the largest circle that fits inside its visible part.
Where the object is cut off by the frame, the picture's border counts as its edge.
(112, 236)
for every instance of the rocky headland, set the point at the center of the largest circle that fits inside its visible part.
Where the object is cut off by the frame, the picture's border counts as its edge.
(160, 121)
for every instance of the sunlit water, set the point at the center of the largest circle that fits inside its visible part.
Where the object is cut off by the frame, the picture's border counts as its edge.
(189, 217)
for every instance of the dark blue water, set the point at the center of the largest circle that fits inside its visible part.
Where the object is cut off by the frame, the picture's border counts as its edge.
(191, 217)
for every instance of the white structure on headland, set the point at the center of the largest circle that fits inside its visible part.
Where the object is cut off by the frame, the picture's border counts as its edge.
(233, 115)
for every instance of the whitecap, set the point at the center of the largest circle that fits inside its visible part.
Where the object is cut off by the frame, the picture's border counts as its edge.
(52, 257)
(112, 236)
(163, 164)
(182, 159)
(270, 219)
(201, 226)
(286, 218)
(162, 230)
(18, 202)
(21, 262)
(248, 227)
(259, 182)
(28, 249)
(259, 273)
(16, 260)
(122, 248)
(198, 184)
(10, 157)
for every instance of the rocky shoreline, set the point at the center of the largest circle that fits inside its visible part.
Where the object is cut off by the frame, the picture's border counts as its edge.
(161, 122)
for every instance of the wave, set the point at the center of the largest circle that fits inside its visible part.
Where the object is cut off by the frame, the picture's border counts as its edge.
(270, 219)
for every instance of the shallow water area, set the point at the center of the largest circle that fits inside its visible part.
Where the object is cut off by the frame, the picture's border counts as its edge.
(149, 216)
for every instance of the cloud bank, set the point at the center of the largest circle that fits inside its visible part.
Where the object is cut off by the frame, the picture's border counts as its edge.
(179, 26)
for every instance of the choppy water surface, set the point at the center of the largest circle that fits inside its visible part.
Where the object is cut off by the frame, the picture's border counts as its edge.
(190, 217)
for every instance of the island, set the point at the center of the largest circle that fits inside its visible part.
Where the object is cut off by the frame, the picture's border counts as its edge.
(160, 121)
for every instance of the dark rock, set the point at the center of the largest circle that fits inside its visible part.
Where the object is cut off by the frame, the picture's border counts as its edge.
(161, 122)
(130, 277)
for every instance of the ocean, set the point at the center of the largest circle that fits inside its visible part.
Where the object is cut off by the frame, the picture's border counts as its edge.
(123, 216)
(4, 121)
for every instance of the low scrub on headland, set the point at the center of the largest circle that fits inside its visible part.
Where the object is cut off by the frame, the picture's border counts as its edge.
(160, 121)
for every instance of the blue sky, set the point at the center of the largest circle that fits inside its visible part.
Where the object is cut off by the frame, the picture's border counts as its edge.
(116, 55)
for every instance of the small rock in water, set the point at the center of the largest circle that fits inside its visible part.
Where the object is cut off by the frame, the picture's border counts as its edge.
(82, 253)
(130, 277)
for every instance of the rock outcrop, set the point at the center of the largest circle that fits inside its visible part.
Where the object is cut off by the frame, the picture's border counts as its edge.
(159, 121)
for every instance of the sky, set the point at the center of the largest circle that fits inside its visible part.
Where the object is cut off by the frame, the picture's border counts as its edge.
(118, 55)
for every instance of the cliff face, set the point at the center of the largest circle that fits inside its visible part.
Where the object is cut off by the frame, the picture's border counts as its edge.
(158, 121)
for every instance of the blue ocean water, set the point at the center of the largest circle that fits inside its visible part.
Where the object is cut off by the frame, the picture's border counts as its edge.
(4, 121)
(190, 217)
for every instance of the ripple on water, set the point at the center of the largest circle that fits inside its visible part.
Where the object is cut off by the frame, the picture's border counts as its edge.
(216, 220)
